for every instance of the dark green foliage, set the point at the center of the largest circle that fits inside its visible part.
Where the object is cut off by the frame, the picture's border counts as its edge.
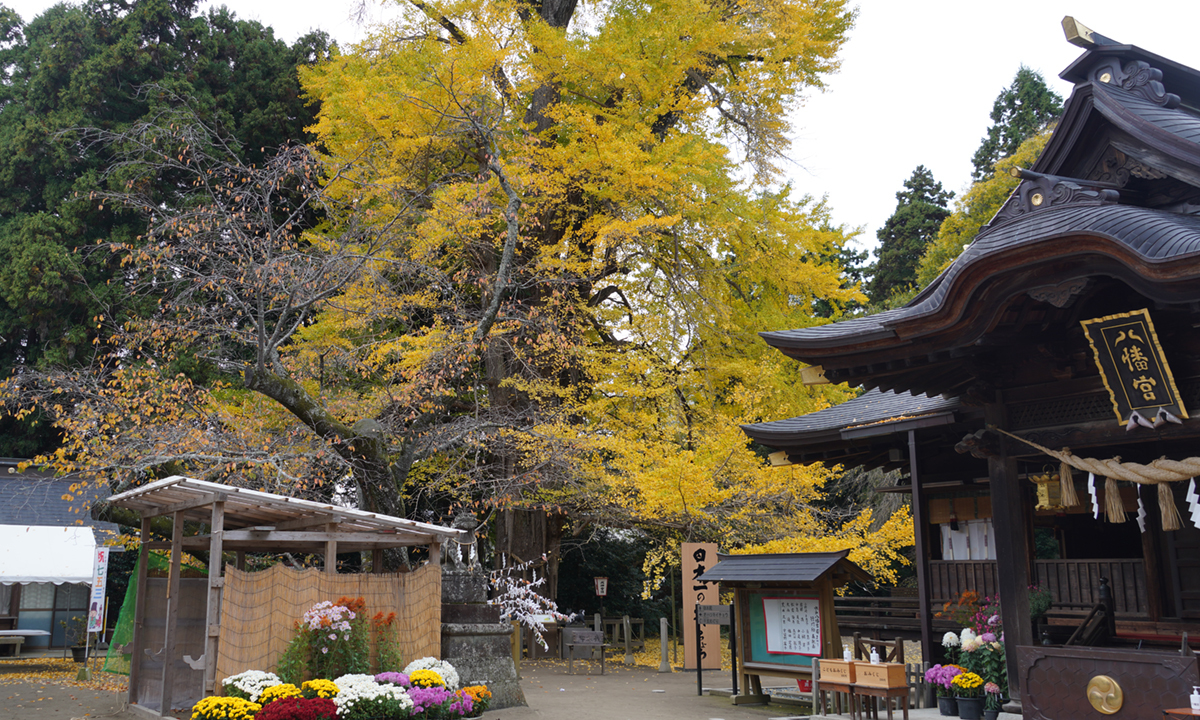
(1022, 110)
(617, 555)
(920, 209)
(854, 271)
(107, 65)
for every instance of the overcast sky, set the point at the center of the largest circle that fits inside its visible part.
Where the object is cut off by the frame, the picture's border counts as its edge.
(916, 87)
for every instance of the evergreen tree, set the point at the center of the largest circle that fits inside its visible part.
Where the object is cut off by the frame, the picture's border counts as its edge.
(107, 66)
(920, 209)
(1022, 110)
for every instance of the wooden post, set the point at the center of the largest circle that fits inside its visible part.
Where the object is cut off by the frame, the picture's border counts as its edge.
(921, 527)
(216, 567)
(331, 550)
(171, 637)
(435, 553)
(138, 643)
(241, 560)
(377, 561)
(1012, 546)
(1151, 557)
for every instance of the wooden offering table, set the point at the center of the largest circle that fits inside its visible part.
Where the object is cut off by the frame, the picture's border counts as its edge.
(881, 680)
(836, 676)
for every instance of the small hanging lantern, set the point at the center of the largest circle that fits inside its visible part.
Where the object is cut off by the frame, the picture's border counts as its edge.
(1049, 491)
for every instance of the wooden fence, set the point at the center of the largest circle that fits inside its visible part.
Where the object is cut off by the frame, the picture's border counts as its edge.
(259, 610)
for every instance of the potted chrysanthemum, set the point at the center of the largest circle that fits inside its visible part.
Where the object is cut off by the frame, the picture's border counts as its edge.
(992, 701)
(968, 690)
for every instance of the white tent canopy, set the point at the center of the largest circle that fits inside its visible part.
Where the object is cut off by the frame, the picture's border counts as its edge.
(44, 554)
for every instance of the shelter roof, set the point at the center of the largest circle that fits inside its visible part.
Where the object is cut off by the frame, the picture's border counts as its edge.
(783, 568)
(275, 520)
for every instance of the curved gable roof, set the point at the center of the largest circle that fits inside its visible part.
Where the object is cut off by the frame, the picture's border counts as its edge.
(1122, 124)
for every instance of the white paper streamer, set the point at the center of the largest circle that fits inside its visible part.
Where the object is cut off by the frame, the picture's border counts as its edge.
(1194, 502)
(1092, 492)
(1141, 513)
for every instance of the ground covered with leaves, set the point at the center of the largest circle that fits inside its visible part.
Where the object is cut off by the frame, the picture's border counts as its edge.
(58, 671)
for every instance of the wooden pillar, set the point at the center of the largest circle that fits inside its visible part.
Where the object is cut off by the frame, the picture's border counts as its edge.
(1152, 556)
(170, 653)
(1012, 546)
(921, 533)
(138, 643)
(216, 581)
(241, 560)
(435, 553)
(331, 550)
(377, 561)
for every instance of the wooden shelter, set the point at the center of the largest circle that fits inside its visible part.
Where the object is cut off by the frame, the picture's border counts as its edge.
(1023, 349)
(785, 613)
(179, 622)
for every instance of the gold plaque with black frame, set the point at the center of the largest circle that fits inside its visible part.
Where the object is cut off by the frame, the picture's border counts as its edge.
(1134, 368)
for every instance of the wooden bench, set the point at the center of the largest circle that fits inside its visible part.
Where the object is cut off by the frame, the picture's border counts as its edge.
(15, 641)
(592, 640)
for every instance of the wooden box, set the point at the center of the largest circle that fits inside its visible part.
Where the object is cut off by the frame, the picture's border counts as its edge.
(884, 675)
(837, 671)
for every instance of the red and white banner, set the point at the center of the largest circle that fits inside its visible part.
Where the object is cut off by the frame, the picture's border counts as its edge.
(99, 583)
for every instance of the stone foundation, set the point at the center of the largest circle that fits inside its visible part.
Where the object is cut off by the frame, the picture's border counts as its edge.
(474, 640)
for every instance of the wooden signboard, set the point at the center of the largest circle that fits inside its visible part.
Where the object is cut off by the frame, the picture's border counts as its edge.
(1133, 366)
(698, 558)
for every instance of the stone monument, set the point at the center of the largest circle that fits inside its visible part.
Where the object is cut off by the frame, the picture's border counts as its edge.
(474, 640)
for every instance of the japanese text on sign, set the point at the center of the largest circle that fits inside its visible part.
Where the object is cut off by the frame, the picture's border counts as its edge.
(699, 558)
(1132, 365)
(793, 625)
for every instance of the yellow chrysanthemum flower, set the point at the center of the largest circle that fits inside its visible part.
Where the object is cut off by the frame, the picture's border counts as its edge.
(426, 679)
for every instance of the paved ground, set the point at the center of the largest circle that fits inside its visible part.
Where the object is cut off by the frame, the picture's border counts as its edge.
(636, 693)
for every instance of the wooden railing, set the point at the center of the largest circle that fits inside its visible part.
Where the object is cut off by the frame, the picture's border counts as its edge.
(949, 578)
(1077, 582)
(1073, 585)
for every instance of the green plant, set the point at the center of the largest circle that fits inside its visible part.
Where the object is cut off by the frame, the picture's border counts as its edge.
(75, 630)
(387, 645)
(1039, 601)
(331, 640)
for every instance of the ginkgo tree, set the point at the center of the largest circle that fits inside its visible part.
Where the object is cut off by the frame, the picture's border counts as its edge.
(524, 273)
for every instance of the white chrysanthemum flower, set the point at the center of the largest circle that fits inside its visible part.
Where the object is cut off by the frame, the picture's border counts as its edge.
(252, 682)
(949, 640)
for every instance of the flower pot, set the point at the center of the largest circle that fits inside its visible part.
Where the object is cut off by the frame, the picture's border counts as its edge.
(970, 708)
(991, 714)
(947, 706)
(79, 653)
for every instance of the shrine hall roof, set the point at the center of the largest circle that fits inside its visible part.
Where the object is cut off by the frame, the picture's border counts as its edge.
(1111, 195)
(1140, 239)
(874, 408)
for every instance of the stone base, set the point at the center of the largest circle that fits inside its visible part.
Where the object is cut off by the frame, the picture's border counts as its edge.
(482, 654)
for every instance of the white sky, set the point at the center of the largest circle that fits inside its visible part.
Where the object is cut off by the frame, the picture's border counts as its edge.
(916, 87)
